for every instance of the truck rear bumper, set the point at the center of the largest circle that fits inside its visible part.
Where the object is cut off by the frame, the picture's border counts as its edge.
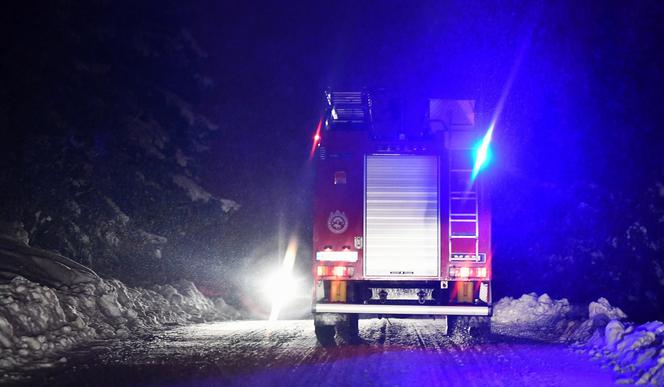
(452, 310)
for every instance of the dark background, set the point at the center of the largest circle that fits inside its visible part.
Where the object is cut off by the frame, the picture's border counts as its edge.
(98, 94)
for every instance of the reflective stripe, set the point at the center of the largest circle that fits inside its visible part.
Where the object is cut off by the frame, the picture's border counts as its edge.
(342, 256)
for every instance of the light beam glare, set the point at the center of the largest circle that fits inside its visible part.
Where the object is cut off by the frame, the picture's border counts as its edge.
(483, 149)
(482, 152)
(282, 283)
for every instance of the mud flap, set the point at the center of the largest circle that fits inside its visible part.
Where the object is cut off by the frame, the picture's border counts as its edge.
(329, 319)
(349, 330)
(324, 327)
(346, 324)
(475, 326)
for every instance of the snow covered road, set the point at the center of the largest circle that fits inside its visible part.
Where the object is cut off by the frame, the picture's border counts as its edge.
(258, 353)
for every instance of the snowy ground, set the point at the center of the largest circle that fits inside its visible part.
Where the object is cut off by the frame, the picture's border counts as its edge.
(107, 333)
(284, 353)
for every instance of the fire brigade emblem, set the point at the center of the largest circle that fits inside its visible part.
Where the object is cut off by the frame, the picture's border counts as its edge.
(337, 222)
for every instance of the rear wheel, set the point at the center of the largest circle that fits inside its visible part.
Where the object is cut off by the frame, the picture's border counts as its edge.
(325, 334)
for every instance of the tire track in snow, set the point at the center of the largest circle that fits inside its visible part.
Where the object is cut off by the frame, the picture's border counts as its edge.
(393, 352)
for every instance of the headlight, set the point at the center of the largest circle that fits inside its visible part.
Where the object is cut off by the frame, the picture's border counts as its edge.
(280, 287)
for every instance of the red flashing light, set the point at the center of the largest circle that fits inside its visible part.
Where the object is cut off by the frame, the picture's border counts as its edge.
(317, 138)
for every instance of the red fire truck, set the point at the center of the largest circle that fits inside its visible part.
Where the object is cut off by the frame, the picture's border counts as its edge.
(402, 227)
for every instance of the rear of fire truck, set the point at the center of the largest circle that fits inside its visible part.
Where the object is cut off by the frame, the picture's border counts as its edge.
(401, 223)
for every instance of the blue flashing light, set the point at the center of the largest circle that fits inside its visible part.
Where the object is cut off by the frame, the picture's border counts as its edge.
(482, 152)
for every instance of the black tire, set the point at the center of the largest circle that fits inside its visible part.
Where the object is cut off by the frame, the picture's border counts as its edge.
(475, 326)
(325, 335)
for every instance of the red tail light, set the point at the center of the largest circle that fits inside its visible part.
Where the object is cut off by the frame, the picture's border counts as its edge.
(468, 272)
(340, 271)
(334, 271)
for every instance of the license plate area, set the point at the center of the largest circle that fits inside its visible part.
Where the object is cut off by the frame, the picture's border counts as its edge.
(401, 294)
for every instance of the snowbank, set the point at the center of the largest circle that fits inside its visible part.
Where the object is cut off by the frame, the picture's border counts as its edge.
(38, 322)
(635, 352)
(536, 317)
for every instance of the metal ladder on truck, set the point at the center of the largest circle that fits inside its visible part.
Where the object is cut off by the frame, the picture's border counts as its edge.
(463, 221)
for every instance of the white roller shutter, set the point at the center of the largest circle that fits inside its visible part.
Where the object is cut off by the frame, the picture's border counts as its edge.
(401, 216)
